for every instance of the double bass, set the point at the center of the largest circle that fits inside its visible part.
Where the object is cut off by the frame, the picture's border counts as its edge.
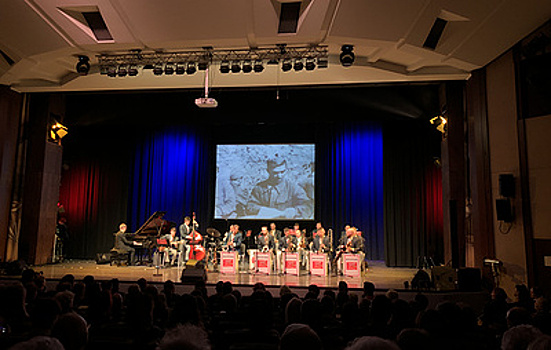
(195, 240)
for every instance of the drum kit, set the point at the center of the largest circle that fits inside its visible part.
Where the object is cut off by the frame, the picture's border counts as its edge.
(214, 245)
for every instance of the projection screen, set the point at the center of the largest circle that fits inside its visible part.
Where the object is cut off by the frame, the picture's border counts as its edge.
(265, 181)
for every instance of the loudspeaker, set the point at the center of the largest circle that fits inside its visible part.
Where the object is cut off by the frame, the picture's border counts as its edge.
(507, 185)
(444, 278)
(194, 274)
(503, 210)
(103, 258)
(469, 279)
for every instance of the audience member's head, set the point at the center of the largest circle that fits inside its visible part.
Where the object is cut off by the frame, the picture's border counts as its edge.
(293, 310)
(414, 339)
(65, 300)
(311, 312)
(298, 337)
(71, 330)
(185, 337)
(517, 316)
(343, 287)
(142, 283)
(536, 292)
(372, 343)
(519, 337)
(44, 315)
(39, 343)
(392, 294)
(499, 294)
(284, 289)
(314, 289)
(259, 286)
(368, 290)
(543, 342)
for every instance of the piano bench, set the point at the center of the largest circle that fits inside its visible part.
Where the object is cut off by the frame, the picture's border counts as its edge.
(118, 258)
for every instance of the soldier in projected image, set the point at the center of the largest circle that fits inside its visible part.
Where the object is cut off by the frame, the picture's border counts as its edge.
(278, 196)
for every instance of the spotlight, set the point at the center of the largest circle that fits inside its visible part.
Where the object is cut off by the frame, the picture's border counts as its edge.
(158, 69)
(323, 62)
(112, 71)
(83, 65)
(58, 131)
(347, 56)
(299, 65)
(103, 70)
(286, 65)
(258, 66)
(247, 66)
(235, 67)
(122, 71)
(224, 67)
(191, 68)
(203, 65)
(180, 68)
(133, 70)
(441, 123)
(169, 69)
(310, 64)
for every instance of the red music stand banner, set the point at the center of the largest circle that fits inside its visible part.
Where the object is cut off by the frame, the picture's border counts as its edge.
(351, 265)
(263, 262)
(318, 264)
(228, 262)
(292, 265)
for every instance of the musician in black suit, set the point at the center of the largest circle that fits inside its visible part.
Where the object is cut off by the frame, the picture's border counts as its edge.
(353, 243)
(172, 246)
(320, 243)
(123, 245)
(185, 230)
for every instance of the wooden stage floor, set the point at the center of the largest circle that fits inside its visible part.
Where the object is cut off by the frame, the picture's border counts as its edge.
(382, 276)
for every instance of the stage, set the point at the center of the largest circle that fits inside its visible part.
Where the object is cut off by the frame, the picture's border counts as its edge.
(383, 277)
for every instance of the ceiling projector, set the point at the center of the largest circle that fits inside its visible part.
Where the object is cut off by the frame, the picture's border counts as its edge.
(206, 102)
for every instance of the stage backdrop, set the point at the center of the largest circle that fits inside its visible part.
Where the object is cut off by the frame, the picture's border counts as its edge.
(351, 182)
(379, 177)
(170, 173)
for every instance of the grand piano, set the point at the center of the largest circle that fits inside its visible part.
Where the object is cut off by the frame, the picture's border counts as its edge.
(148, 234)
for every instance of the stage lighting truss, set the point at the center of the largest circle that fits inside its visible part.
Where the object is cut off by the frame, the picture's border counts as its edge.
(229, 61)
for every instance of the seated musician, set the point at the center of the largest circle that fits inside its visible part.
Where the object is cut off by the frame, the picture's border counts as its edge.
(320, 243)
(353, 244)
(123, 245)
(289, 241)
(264, 240)
(172, 246)
(232, 242)
(302, 246)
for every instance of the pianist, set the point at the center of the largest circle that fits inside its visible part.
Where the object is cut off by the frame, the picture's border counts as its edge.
(125, 246)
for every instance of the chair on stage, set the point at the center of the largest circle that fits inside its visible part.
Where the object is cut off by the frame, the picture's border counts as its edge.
(160, 255)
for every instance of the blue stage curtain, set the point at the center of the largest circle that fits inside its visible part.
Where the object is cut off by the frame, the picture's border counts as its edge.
(351, 182)
(170, 173)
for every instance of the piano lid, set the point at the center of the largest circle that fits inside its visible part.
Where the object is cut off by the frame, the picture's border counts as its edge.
(155, 225)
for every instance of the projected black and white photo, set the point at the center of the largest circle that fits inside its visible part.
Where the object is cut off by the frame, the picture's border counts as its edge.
(265, 181)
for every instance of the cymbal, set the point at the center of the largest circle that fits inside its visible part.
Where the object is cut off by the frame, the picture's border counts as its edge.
(213, 232)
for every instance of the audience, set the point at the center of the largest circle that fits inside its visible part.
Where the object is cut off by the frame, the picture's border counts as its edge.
(89, 314)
